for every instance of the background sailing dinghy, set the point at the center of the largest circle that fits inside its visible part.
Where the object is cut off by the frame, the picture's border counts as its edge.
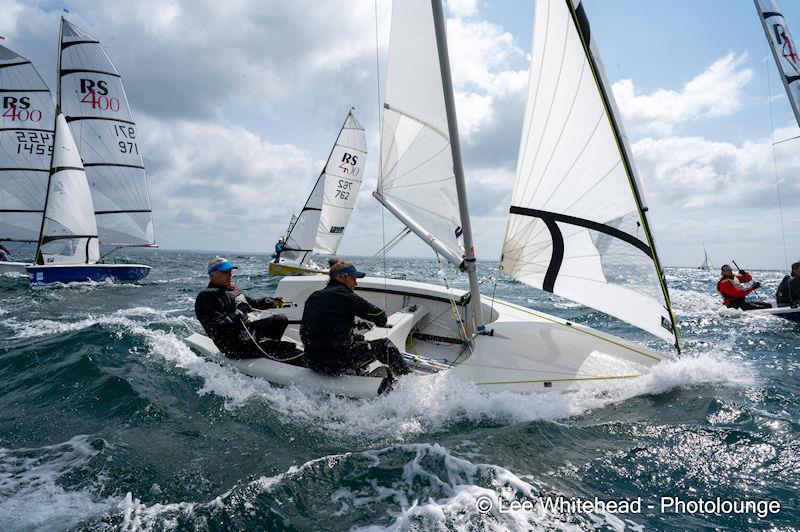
(706, 264)
(320, 225)
(559, 237)
(91, 96)
(26, 135)
(68, 250)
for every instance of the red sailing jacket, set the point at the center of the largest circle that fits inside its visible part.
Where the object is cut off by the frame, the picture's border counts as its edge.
(730, 290)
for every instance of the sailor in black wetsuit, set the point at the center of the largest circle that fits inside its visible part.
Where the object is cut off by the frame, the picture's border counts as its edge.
(222, 308)
(788, 293)
(331, 347)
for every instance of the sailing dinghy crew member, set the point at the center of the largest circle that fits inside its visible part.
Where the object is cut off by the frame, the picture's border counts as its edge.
(280, 245)
(5, 254)
(788, 293)
(331, 347)
(733, 295)
(222, 311)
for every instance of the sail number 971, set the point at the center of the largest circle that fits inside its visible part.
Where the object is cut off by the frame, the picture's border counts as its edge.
(128, 134)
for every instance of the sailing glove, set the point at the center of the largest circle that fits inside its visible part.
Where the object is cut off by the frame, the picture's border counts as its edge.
(756, 285)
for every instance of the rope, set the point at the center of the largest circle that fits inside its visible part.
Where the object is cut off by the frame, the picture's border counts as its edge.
(264, 352)
(775, 159)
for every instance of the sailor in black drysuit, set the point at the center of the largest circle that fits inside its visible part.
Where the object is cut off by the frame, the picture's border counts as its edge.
(222, 308)
(788, 293)
(331, 347)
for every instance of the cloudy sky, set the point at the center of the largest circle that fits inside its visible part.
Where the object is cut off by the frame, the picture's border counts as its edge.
(237, 108)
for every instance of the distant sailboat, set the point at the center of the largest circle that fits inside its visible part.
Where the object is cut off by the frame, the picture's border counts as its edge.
(26, 137)
(91, 96)
(68, 249)
(706, 264)
(70, 236)
(321, 223)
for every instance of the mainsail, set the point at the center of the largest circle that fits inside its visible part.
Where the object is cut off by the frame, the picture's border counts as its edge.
(26, 145)
(320, 225)
(783, 50)
(577, 225)
(69, 232)
(706, 265)
(417, 182)
(93, 100)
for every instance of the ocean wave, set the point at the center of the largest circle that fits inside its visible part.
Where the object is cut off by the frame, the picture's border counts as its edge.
(33, 496)
(401, 487)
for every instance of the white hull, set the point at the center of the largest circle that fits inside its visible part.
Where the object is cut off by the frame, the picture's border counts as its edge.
(13, 268)
(528, 351)
(789, 313)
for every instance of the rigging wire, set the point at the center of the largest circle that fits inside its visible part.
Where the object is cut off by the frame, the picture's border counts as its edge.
(380, 150)
(775, 157)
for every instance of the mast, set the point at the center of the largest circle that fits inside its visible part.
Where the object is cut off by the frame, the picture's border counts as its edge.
(774, 39)
(476, 323)
(38, 258)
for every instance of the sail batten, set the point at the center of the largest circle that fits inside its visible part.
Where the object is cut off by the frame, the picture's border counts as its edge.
(93, 100)
(577, 225)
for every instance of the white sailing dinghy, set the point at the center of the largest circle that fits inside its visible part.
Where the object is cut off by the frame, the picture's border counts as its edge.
(577, 221)
(320, 225)
(91, 96)
(787, 60)
(68, 250)
(26, 138)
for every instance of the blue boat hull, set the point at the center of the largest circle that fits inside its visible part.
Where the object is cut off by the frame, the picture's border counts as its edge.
(87, 272)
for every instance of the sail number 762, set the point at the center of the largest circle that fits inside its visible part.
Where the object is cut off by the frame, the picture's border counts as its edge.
(343, 189)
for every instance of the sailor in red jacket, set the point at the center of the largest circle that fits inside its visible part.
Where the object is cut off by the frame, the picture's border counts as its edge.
(733, 295)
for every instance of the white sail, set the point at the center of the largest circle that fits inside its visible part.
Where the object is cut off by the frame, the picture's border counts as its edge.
(706, 265)
(577, 224)
(69, 231)
(26, 145)
(783, 50)
(93, 100)
(417, 181)
(320, 225)
(303, 234)
(342, 177)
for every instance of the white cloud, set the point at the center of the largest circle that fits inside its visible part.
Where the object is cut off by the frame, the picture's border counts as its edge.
(717, 91)
(212, 183)
(696, 173)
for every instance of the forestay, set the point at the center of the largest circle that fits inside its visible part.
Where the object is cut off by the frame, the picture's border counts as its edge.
(783, 50)
(577, 224)
(26, 145)
(320, 225)
(69, 232)
(93, 100)
(416, 181)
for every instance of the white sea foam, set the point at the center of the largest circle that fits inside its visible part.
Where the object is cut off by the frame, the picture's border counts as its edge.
(33, 499)
(429, 404)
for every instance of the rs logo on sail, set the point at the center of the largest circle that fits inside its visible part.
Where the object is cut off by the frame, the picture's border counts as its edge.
(784, 40)
(97, 95)
(19, 109)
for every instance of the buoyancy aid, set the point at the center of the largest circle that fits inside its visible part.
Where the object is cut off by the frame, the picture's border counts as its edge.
(730, 288)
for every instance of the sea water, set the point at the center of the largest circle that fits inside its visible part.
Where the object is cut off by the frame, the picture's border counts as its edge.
(109, 421)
